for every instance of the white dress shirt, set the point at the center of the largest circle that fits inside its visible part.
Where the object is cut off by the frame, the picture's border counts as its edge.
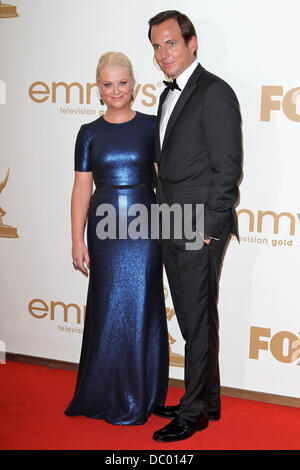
(172, 98)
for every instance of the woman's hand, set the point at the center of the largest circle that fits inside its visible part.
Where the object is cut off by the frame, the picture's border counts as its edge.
(81, 257)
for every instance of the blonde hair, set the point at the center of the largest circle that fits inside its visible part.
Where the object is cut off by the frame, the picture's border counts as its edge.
(114, 58)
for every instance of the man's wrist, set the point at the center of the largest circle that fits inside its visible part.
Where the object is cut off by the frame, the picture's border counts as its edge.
(208, 237)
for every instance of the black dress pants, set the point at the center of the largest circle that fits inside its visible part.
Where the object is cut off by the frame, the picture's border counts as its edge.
(193, 278)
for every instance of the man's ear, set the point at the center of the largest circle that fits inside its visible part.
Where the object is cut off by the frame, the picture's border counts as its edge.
(193, 44)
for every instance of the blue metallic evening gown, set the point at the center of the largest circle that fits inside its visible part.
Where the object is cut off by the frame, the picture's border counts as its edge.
(123, 369)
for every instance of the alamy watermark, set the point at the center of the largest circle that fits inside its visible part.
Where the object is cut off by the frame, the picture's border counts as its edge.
(136, 221)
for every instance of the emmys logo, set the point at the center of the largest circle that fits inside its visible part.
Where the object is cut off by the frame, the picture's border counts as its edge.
(284, 345)
(72, 313)
(176, 359)
(40, 309)
(7, 11)
(290, 102)
(82, 94)
(6, 231)
(283, 224)
(2, 92)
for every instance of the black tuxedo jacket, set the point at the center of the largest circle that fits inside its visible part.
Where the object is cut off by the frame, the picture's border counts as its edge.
(200, 160)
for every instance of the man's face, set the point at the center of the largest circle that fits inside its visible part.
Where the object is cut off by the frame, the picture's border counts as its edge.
(171, 52)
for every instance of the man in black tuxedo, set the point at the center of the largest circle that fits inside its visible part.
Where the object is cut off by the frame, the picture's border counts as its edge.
(199, 153)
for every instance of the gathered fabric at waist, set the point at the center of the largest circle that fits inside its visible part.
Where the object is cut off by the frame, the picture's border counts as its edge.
(123, 186)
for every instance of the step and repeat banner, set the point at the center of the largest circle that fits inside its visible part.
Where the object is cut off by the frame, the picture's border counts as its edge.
(48, 56)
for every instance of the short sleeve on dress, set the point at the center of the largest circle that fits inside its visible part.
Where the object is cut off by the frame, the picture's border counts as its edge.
(82, 152)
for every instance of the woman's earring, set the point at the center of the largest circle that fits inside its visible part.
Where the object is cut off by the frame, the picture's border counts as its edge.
(100, 97)
(132, 96)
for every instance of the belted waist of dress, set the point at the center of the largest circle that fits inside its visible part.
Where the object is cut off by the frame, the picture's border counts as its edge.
(123, 186)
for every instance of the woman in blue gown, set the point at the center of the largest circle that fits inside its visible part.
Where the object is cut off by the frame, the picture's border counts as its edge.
(123, 369)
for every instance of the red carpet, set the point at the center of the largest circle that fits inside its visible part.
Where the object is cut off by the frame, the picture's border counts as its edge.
(33, 399)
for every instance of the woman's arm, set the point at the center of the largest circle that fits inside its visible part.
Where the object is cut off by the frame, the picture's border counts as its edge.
(81, 195)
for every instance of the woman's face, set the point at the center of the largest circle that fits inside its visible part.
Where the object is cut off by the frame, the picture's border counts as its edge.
(115, 86)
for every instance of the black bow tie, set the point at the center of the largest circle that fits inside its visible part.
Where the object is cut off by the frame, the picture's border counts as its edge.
(172, 85)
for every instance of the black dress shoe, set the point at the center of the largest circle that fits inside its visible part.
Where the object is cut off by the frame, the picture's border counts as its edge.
(214, 415)
(179, 429)
(171, 412)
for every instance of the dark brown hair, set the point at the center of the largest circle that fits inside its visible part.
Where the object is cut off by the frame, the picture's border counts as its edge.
(185, 24)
